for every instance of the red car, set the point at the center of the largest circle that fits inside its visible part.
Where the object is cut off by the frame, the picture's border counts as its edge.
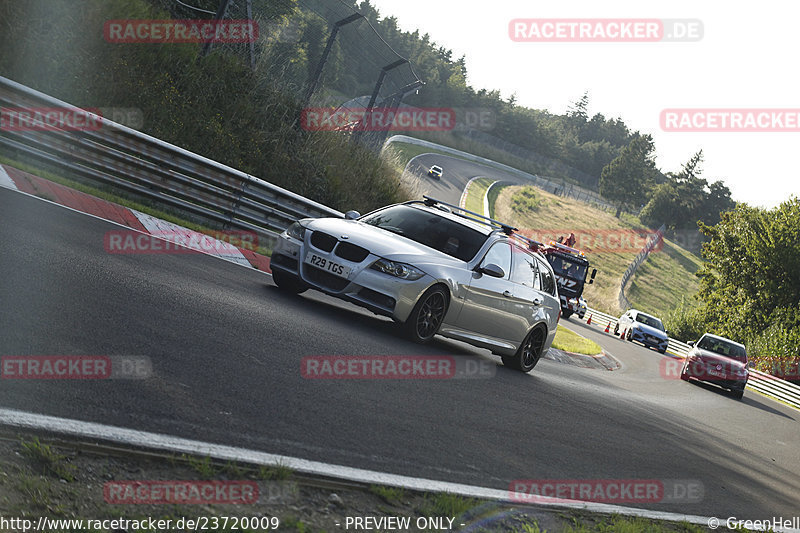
(717, 360)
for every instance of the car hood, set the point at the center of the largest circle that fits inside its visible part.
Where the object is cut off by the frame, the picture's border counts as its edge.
(650, 330)
(382, 242)
(712, 359)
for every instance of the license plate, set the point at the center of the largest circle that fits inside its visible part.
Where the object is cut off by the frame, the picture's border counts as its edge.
(716, 373)
(327, 265)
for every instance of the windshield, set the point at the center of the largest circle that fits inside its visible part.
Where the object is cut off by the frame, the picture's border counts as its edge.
(651, 321)
(723, 347)
(430, 229)
(567, 268)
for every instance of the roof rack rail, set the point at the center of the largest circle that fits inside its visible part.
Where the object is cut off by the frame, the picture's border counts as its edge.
(532, 244)
(432, 202)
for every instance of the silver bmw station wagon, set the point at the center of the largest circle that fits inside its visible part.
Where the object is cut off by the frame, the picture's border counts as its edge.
(435, 268)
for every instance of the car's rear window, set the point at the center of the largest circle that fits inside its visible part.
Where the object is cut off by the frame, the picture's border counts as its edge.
(430, 229)
(723, 347)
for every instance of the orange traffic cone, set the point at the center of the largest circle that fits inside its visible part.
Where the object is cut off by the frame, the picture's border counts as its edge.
(608, 327)
(623, 333)
(590, 319)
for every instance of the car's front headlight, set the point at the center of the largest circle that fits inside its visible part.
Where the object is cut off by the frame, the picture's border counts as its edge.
(398, 270)
(296, 231)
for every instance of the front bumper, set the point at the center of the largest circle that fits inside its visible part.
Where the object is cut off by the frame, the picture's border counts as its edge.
(381, 293)
(651, 341)
(697, 369)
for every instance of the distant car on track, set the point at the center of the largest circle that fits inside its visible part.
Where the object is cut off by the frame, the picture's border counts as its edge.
(717, 360)
(582, 307)
(434, 267)
(644, 328)
(435, 172)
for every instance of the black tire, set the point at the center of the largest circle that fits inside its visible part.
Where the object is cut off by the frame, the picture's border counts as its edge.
(566, 314)
(737, 394)
(288, 282)
(629, 335)
(529, 352)
(662, 352)
(616, 330)
(427, 315)
(684, 372)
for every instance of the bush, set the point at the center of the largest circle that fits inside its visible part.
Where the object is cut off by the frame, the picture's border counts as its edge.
(686, 322)
(525, 200)
(777, 349)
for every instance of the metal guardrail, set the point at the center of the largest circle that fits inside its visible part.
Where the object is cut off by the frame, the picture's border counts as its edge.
(762, 382)
(652, 242)
(147, 167)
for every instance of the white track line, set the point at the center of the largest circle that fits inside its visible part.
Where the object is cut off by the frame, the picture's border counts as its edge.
(131, 437)
(6, 181)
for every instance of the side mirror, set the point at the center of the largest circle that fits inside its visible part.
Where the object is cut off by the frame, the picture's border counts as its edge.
(690, 343)
(352, 215)
(492, 270)
(594, 273)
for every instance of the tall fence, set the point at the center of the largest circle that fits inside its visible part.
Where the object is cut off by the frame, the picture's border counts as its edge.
(548, 164)
(326, 52)
(641, 257)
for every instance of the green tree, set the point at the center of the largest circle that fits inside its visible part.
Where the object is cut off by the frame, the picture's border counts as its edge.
(685, 198)
(751, 277)
(626, 180)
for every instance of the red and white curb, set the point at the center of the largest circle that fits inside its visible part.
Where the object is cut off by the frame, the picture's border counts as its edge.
(5, 180)
(224, 250)
(15, 179)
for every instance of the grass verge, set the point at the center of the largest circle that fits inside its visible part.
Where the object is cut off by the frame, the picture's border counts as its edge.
(476, 193)
(569, 341)
(300, 502)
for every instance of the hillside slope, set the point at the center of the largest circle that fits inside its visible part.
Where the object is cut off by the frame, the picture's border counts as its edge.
(659, 284)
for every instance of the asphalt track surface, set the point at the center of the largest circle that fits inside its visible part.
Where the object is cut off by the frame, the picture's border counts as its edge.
(226, 347)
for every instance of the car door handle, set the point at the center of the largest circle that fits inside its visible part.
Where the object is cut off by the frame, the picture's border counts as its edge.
(507, 294)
